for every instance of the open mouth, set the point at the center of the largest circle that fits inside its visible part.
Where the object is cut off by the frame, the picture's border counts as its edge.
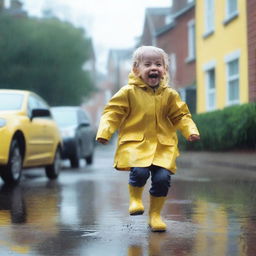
(153, 75)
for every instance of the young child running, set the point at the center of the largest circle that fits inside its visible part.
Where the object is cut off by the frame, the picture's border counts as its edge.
(147, 113)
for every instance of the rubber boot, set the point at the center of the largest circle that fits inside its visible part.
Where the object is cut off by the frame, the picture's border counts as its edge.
(136, 207)
(155, 222)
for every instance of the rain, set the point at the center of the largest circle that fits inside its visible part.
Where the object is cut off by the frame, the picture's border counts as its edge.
(60, 190)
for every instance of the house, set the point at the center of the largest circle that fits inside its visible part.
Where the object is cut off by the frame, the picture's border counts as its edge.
(155, 18)
(251, 33)
(2, 5)
(119, 67)
(90, 64)
(173, 30)
(95, 104)
(222, 55)
(15, 9)
(177, 38)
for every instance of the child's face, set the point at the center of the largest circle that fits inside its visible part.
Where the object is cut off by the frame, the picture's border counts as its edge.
(151, 68)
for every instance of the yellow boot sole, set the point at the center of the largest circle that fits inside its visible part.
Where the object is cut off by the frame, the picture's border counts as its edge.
(136, 209)
(157, 229)
(136, 213)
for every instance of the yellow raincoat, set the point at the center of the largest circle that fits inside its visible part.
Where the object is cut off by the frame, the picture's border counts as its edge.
(146, 120)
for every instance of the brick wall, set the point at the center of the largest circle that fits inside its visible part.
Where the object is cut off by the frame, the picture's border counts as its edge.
(175, 40)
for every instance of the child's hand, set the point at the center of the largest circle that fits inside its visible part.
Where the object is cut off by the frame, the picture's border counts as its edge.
(193, 137)
(102, 141)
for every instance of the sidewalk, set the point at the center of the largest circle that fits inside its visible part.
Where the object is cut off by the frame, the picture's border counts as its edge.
(238, 160)
(229, 160)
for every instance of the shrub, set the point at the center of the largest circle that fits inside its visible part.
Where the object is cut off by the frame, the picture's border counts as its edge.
(232, 128)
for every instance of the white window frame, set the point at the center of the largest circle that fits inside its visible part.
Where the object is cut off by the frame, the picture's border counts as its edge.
(209, 17)
(191, 41)
(228, 13)
(230, 58)
(209, 92)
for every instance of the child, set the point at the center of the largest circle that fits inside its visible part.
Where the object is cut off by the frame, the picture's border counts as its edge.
(147, 113)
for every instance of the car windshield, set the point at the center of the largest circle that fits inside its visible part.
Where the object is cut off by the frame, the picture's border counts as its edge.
(10, 101)
(65, 117)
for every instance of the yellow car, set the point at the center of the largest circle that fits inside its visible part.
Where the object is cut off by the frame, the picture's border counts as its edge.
(29, 137)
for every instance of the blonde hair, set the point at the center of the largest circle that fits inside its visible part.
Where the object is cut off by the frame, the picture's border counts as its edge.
(139, 52)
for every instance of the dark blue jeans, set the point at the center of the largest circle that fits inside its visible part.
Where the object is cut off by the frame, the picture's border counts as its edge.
(160, 179)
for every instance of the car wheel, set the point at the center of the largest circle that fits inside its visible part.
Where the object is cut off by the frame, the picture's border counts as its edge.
(52, 171)
(75, 158)
(89, 159)
(11, 173)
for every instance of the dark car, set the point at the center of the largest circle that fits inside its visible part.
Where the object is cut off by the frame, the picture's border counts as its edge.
(77, 134)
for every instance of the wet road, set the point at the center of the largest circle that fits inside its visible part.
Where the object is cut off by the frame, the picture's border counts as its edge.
(85, 213)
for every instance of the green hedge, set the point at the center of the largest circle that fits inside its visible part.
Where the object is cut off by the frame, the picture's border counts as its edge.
(228, 129)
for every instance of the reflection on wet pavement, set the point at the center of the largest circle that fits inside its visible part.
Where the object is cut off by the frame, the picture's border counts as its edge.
(85, 212)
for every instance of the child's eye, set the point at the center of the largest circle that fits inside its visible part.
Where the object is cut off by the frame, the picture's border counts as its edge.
(147, 64)
(159, 64)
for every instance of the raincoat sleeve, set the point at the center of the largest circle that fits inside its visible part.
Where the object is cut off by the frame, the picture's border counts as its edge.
(113, 113)
(180, 116)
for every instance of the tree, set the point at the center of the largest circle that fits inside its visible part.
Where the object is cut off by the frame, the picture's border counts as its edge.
(45, 56)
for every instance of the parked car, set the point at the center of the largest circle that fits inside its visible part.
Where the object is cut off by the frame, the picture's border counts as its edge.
(77, 134)
(29, 137)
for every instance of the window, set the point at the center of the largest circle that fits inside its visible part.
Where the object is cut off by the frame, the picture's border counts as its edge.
(42, 104)
(11, 101)
(83, 117)
(232, 79)
(210, 90)
(210, 85)
(209, 17)
(190, 1)
(191, 41)
(233, 82)
(231, 10)
(35, 102)
(32, 104)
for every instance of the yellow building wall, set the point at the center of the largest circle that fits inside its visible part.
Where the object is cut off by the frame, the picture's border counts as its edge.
(225, 40)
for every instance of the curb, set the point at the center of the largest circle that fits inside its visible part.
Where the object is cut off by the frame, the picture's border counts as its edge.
(224, 159)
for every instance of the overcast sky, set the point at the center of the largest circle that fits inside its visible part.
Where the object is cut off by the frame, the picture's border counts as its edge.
(111, 23)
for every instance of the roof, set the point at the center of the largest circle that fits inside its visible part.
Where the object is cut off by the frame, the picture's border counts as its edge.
(176, 15)
(119, 54)
(157, 17)
(160, 20)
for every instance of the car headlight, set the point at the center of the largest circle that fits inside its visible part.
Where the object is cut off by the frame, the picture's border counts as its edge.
(67, 133)
(2, 122)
